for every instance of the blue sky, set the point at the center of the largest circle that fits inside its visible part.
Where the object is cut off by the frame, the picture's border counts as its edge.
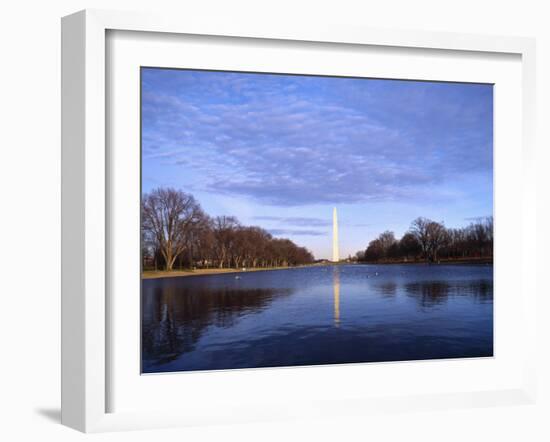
(279, 151)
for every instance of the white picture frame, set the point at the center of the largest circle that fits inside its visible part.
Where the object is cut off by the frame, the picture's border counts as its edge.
(86, 204)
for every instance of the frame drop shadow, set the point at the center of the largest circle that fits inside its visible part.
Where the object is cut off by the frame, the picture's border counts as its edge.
(51, 414)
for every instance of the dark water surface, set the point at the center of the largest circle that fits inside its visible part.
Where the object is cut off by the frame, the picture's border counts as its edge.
(317, 315)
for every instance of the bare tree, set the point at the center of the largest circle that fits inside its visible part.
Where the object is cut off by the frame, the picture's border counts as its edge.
(258, 239)
(241, 245)
(387, 240)
(409, 246)
(168, 219)
(174, 229)
(419, 228)
(432, 241)
(224, 235)
(431, 236)
(489, 229)
(374, 251)
(437, 238)
(204, 245)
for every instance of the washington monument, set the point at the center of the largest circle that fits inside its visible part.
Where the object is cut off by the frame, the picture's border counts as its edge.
(335, 250)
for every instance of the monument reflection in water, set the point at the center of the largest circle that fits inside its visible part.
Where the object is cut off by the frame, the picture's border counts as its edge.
(336, 288)
(317, 315)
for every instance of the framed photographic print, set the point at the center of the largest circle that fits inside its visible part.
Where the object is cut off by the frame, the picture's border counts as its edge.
(276, 222)
(260, 193)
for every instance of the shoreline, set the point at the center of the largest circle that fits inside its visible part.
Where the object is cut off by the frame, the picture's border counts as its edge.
(466, 261)
(158, 274)
(152, 274)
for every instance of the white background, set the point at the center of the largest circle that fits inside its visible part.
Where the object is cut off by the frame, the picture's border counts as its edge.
(30, 217)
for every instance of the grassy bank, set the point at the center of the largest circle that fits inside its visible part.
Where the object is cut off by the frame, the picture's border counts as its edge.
(151, 274)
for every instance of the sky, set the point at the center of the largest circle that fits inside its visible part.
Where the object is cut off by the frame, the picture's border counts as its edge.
(280, 151)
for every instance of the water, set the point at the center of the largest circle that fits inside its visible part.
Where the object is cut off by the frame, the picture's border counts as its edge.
(317, 315)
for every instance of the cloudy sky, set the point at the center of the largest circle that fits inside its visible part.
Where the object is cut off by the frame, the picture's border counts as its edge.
(280, 151)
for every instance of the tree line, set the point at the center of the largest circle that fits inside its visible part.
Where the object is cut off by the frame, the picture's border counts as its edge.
(431, 241)
(176, 232)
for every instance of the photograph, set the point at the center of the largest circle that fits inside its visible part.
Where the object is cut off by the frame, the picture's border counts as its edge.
(302, 220)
